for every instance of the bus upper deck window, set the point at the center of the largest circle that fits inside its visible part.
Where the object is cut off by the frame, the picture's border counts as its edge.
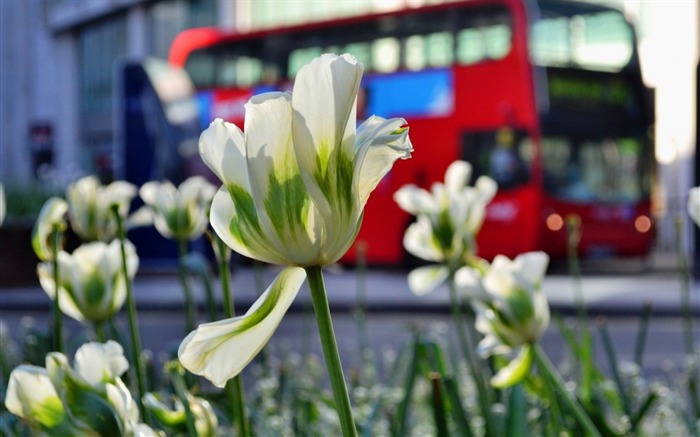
(249, 71)
(497, 39)
(550, 42)
(300, 57)
(226, 72)
(361, 51)
(470, 46)
(201, 68)
(440, 51)
(415, 52)
(601, 41)
(385, 54)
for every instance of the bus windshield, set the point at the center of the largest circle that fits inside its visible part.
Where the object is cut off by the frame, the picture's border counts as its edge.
(586, 39)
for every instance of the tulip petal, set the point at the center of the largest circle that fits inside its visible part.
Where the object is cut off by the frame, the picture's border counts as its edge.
(236, 223)
(425, 279)
(220, 350)
(323, 128)
(415, 200)
(385, 142)
(68, 280)
(222, 148)
(457, 176)
(516, 370)
(100, 362)
(284, 207)
(420, 241)
(694, 204)
(31, 395)
(531, 267)
(50, 216)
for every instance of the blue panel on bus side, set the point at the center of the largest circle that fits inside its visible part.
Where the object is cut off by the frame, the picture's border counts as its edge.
(428, 93)
(204, 101)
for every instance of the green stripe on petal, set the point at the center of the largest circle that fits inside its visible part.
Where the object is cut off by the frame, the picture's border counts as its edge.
(234, 219)
(220, 350)
(516, 370)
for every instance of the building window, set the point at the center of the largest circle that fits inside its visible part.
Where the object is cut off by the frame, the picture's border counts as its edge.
(99, 46)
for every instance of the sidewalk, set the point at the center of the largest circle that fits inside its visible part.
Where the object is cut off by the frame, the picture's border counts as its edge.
(387, 291)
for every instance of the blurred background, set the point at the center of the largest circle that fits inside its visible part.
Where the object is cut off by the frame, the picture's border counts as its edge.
(567, 88)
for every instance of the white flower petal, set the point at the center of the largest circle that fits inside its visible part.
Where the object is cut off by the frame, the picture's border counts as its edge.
(68, 274)
(100, 362)
(284, 208)
(419, 241)
(51, 216)
(415, 200)
(468, 283)
(222, 148)
(694, 204)
(31, 395)
(425, 279)
(457, 176)
(220, 350)
(531, 267)
(323, 99)
(238, 227)
(383, 144)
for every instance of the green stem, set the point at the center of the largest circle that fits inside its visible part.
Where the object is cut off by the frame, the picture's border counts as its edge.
(234, 387)
(57, 315)
(100, 332)
(576, 409)
(466, 345)
(330, 350)
(178, 380)
(191, 311)
(131, 314)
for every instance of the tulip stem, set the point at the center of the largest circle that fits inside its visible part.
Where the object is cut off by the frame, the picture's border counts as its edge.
(234, 387)
(574, 406)
(131, 313)
(100, 331)
(330, 350)
(57, 316)
(191, 311)
(467, 346)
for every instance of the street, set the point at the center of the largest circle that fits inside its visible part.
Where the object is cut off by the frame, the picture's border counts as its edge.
(392, 312)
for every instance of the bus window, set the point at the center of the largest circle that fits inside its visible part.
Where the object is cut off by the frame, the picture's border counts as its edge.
(470, 46)
(497, 41)
(549, 45)
(201, 66)
(439, 47)
(300, 57)
(226, 72)
(505, 155)
(601, 41)
(386, 54)
(415, 52)
(249, 71)
(362, 52)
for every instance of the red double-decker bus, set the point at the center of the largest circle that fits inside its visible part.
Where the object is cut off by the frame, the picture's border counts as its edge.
(544, 96)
